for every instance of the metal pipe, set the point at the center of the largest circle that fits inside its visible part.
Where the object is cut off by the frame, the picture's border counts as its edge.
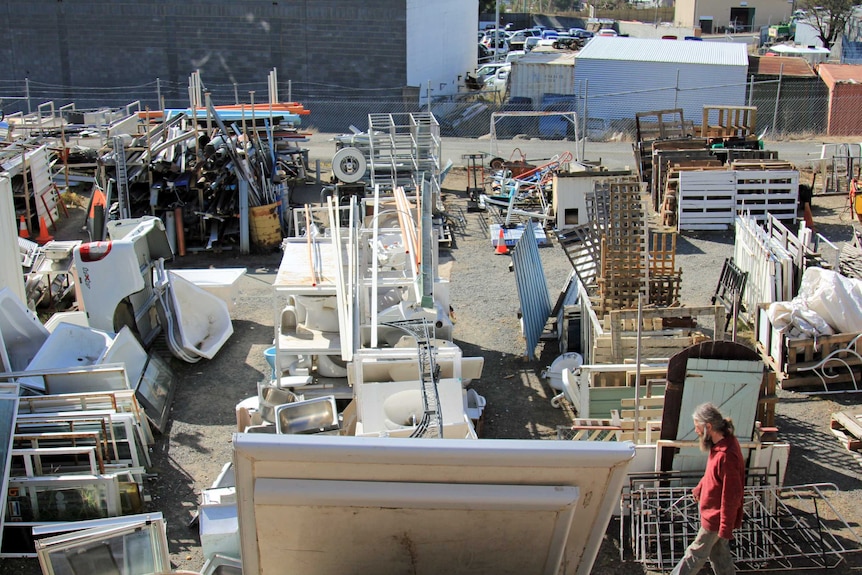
(777, 100)
(181, 235)
(637, 369)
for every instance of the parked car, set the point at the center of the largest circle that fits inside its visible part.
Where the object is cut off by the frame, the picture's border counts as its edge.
(580, 33)
(514, 55)
(531, 43)
(499, 80)
(516, 40)
(476, 80)
(549, 34)
(483, 55)
(488, 38)
(607, 32)
(567, 42)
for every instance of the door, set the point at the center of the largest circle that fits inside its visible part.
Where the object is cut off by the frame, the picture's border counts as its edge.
(741, 19)
(733, 386)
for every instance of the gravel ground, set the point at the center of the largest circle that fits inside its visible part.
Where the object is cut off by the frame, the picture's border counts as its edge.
(483, 294)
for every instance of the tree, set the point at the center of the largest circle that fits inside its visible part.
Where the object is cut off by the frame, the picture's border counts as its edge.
(829, 17)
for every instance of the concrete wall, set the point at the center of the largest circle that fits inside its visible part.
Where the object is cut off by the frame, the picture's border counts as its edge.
(641, 30)
(444, 53)
(314, 43)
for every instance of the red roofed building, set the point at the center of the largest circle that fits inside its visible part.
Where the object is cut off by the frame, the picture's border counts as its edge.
(845, 98)
(793, 85)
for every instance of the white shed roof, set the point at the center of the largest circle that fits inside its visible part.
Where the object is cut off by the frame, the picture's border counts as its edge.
(671, 51)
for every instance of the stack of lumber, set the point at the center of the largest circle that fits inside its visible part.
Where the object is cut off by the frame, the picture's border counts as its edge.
(847, 427)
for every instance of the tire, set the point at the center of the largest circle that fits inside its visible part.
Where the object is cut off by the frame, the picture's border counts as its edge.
(497, 163)
(348, 165)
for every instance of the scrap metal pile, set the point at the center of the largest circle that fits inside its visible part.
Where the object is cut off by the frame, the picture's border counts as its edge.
(200, 161)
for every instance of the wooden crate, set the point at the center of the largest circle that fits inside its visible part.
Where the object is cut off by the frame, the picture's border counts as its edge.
(617, 343)
(792, 358)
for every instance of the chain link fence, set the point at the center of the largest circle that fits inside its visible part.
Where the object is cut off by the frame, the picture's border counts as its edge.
(788, 107)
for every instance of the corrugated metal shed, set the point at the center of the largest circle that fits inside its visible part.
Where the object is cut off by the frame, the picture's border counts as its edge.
(845, 98)
(801, 97)
(838, 73)
(539, 73)
(624, 76)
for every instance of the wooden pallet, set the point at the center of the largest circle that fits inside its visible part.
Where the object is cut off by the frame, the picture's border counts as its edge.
(728, 121)
(847, 427)
(662, 124)
(761, 164)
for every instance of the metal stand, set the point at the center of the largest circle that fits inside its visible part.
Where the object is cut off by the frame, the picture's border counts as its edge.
(475, 179)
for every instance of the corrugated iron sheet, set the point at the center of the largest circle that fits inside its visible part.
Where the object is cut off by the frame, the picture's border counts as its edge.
(835, 73)
(537, 74)
(670, 51)
(532, 288)
(785, 66)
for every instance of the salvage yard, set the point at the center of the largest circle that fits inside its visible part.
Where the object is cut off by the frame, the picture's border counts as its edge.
(189, 456)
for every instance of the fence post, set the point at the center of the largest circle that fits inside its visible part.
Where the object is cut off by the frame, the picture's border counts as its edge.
(586, 117)
(27, 93)
(429, 97)
(751, 90)
(777, 99)
(676, 90)
(158, 93)
(290, 90)
(235, 94)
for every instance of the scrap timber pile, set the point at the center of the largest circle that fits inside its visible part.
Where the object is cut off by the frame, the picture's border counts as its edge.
(612, 251)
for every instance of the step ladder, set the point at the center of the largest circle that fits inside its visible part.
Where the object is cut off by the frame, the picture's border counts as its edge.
(122, 178)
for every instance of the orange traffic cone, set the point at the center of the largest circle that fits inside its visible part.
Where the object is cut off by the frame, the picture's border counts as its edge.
(44, 237)
(22, 228)
(501, 243)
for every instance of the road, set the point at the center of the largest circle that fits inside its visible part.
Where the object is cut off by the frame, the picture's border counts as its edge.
(613, 155)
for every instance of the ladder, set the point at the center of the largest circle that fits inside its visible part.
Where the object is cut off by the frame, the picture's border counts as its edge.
(122, 178)
(431, 424)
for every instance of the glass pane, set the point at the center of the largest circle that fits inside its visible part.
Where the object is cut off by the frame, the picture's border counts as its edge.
(53, 503)
(155, 391)
(136, 549)
(129, 554)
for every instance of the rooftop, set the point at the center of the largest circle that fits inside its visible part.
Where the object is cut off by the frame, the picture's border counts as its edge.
(670, 51)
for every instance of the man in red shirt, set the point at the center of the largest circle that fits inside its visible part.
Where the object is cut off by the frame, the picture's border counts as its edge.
(719, 494)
